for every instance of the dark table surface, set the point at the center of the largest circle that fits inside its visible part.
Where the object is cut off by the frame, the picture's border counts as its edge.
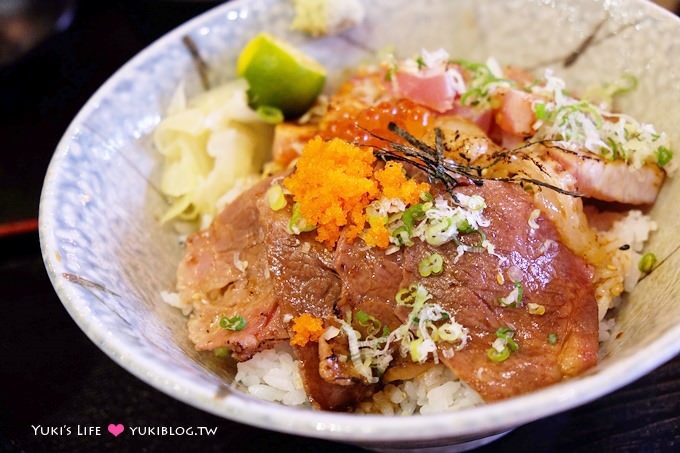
(52, 375)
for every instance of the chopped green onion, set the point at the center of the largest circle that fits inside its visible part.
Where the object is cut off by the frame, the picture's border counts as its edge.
(443, 333)
(366, 320)
(474, 94)
(496, 356)
(520, 292)
(476, 203)
(431, 264)
(616, 149)
(607, 92)
(647, 262)
(402, 236)
(361, 317)
(472, 65)
(221, 352)
(504, 337)
(276, 198)
(297, 223)
(413, 296)
(386, 331)
(421, 62)
(236, 322)
(663, 156)
(502, 332)
(411, 215)
(506, 334)
(435, 234)
(482, 84)
(514, 299)
(624, 85)
(406, 296)
(413, 349)
(269, 114)
(552, 338)
(584, 107)
(464, 227)
(539, 110)
(426, 197)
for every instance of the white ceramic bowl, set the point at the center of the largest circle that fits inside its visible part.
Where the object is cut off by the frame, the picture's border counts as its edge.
(108, 257)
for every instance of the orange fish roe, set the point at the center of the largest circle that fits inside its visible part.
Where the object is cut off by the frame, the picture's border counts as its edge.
(377, 234)
(395, 184)
(307, 328)
(333, 184)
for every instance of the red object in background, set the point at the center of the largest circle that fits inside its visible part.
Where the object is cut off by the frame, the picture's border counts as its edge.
(18, 227)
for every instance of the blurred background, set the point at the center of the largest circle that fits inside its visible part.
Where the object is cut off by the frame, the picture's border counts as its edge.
(53, 55)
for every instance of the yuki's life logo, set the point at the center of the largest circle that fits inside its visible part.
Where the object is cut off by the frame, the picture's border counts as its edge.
(117, 429)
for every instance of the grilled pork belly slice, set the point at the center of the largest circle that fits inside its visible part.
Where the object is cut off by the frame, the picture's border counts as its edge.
(611, 180)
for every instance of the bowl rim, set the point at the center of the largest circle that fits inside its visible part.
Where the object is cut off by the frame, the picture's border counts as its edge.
(239, 407)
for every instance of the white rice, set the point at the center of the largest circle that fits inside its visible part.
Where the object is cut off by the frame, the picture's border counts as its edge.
(436, 390)
(606, 329)
(622, 273)
(272, 375)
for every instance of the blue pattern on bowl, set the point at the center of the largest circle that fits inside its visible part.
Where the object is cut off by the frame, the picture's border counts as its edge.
(109, 258)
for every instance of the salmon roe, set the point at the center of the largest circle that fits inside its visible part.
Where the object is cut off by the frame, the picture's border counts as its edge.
(354, 128)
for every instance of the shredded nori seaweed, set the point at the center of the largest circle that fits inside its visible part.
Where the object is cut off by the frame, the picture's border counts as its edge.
(433, 163)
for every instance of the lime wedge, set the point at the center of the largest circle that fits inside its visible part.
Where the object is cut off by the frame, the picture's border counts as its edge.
(279, 75)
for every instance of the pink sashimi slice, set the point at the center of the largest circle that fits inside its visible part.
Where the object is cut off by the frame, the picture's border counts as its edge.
(434, 90)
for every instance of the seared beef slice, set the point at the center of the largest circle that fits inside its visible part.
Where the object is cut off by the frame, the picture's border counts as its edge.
(550, 275)
(285, 275)
(289, 275)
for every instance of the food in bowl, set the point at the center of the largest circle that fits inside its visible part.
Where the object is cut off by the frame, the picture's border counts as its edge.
(423, 240)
